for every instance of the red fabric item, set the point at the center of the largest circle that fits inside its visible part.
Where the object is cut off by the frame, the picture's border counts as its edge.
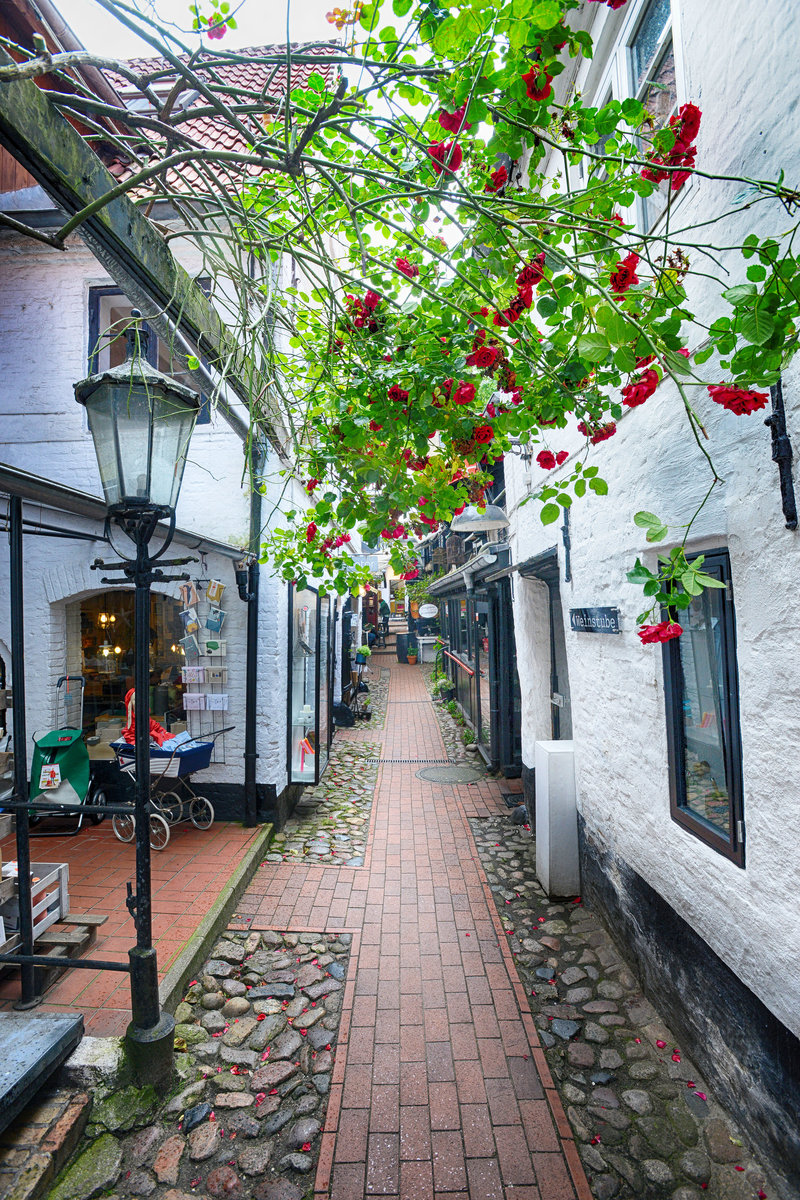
(158, 733)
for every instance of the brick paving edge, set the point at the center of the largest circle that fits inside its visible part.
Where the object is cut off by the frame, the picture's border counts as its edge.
(173, 986)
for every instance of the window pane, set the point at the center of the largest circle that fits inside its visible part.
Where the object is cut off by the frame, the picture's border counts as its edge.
(645, 44)
(660, 98)
(706, 721)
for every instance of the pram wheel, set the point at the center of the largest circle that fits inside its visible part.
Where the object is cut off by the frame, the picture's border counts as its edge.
(159, 832)
(96, 797)
(201, 812)
(124, 827)
(170, 807)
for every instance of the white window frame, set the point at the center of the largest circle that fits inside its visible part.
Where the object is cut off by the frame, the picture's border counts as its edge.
(617, 78)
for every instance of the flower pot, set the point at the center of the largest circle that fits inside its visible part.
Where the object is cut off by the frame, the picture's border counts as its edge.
(411, 659)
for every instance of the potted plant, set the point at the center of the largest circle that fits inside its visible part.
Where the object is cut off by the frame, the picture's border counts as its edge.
(363, 653)
(411, 653)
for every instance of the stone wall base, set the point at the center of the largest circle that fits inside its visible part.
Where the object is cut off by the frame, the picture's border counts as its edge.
(752, 1060)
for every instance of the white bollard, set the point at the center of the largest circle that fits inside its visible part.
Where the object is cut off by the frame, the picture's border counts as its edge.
(557, 863)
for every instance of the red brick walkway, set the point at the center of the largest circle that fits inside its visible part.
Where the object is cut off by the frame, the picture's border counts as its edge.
(440, 1088)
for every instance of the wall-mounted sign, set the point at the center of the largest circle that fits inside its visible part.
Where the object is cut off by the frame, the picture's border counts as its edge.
(594, 620)
(426, 611)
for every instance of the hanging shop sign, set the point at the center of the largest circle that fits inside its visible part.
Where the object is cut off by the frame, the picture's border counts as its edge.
(594, 620)
(427, 611)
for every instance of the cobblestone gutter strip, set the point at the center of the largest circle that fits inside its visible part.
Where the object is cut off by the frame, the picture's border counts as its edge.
(256, 1038)
(330, 825)
(173, 985)
(644, 1122)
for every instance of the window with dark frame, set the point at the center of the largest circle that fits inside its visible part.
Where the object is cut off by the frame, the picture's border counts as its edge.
(702, 700)
(109, 314)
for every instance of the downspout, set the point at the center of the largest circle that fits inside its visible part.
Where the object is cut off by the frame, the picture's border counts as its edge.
(251, 675)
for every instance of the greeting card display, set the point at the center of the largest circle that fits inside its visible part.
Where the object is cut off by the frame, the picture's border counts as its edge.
(215, 619)
(214, 647)
(194, 701)
(217, 701)
(189, 595)
(216, 676)
(214, 591)
(194, 674)
(190, 622)
(191, 647)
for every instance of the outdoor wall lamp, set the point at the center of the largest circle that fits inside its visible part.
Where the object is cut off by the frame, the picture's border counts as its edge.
(473, 520)
(141, 422)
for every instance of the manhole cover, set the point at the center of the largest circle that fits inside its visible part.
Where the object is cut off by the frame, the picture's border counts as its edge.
(452, 773)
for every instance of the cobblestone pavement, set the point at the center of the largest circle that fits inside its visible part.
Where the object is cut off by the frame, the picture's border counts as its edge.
(256, 1037)
(643, 1117)
(331, 822)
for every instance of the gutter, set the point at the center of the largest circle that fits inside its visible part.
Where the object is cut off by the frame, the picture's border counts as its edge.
(483, 561)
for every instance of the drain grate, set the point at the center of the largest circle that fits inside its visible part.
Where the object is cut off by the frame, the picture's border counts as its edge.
(408, 760)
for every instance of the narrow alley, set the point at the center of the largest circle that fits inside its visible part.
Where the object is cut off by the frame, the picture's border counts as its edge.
(440, 1085)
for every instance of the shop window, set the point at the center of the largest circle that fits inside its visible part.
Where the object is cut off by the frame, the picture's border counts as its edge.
(701, 680)
(100, 646)
(109, 315)
(309, 709)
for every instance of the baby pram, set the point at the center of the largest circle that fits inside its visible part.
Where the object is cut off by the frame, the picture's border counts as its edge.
(168, 807)
(60, 770)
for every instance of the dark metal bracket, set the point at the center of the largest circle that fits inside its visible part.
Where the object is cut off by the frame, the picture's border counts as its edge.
(782, 454)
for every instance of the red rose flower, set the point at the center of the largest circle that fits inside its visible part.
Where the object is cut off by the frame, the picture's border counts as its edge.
(484, 358)
(374, 426)
(397, 393)
(409, 269)
(741, 401)
(538, 84)
(636, 393)
(533, 272)
(561, 457)
(595, 433)
(664, 631)
(689, 115)
(454, 122)
(483, 434)
(546, 460)
(311, 531)
(216, 31)
(445, 156)
(641, 363)
(624, 276)
(371, 301)
(498, 180)
(683, 350)
(491, 411)
(312, 483)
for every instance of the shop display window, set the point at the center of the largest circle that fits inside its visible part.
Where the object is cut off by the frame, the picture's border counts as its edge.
(309, 702)
(703, 718)
(100, 648)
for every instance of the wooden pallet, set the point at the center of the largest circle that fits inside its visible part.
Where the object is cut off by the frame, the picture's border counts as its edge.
(69, 937)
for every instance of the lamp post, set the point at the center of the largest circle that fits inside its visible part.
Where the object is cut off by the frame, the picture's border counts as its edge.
(141, 422)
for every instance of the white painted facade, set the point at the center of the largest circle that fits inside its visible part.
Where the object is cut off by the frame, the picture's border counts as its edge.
(44, 348)
(737, 64)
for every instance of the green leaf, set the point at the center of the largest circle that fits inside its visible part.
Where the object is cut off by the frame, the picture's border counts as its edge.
(742, 291)
(651, 588)
(549, 514)
(757, 325)
(656, 533)
(192, 362)
(547, 14)
(401, 7)
(646, 519)
(640, 574)
(593, 347)
(599, 486)
(708, 581)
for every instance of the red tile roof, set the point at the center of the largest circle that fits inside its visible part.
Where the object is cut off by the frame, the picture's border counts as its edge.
(259, 71)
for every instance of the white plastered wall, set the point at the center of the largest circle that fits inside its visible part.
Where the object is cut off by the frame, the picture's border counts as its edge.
(747, 916)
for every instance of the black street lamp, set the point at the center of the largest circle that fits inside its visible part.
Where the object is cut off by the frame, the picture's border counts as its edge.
(141, 422)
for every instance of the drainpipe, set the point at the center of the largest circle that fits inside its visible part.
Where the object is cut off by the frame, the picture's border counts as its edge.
(251, 673)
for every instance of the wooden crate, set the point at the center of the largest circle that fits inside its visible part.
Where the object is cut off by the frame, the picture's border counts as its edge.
(49, 896)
